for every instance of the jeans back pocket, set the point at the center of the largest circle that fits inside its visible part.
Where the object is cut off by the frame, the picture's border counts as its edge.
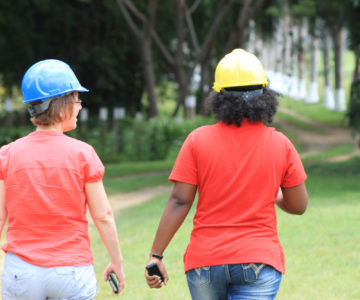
(252, 271)
(199, 276)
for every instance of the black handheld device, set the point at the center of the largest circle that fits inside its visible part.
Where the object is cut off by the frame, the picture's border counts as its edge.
(154, 270)
(113, 283)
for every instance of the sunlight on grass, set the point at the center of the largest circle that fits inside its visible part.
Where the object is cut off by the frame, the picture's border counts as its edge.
(332, 152)
(322, 246)
(125, 185)
(315, 111)
(298, 123)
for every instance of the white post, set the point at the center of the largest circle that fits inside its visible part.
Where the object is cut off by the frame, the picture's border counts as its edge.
(190, 104)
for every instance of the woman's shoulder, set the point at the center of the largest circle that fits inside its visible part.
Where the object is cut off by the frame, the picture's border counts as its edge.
(79, 144)
(278, 136)
(203, 129)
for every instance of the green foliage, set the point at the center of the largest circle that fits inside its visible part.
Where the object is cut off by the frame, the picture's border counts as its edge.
(89, 35)
(8, 135)
(303, 8)
(333, 12)
(145, 140)
(353, 24)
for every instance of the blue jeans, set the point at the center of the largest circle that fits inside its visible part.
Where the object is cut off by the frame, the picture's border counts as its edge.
(23, 281)
(234, 282)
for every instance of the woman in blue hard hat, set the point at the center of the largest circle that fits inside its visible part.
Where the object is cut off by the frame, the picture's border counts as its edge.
(241, 168)
(47, 181)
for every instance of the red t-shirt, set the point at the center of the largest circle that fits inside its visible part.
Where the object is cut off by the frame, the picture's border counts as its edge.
(45, 175)
(238, 171)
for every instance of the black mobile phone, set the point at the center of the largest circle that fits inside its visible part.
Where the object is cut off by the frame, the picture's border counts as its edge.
(153, 269)
(113, 283)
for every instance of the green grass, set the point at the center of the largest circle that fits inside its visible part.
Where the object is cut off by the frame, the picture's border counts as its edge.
(332, 152)
(125, 185)
(321, 247)
(133, 176)
(315, 111)
(131, 168)
(283, 117)
(136, 227)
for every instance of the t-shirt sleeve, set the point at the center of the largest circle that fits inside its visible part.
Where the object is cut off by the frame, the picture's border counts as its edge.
(185, 167)
(3, 156)
(294, 173)
(94, 168)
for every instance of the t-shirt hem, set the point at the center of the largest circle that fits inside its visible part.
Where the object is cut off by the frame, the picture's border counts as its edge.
(294, 183)
(278, 267)
(184, 180)
(47, 264)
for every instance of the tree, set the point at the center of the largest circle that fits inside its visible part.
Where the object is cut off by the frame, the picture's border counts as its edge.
(334, 14)
(196, 37)
(143, 36)
(328, 92)
(353, 24)
(87, 34)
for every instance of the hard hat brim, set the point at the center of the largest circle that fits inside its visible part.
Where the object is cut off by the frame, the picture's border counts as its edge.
(79, 89)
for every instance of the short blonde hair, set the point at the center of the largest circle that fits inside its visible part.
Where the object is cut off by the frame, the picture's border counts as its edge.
(59, 108)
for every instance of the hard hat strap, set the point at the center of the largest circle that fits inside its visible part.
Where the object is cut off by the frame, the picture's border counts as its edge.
(245, 95)
(39, 108)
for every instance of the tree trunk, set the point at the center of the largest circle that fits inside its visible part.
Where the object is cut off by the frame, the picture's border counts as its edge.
(144, 38)
(294, 82)
(328, 92)
(301, 58)
(339, 43)
(313, 94)
(179, 58)
(149, 77)
(252, 37)
(247, 12)
(357, 63)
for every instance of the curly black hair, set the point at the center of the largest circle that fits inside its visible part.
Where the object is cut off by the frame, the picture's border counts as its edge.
(233, 109)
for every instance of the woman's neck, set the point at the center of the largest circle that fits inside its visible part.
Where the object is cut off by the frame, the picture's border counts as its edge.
(56, 127)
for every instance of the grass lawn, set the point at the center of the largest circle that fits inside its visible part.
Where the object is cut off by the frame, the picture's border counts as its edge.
(321, 247)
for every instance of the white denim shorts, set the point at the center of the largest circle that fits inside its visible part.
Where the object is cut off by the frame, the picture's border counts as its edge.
(21, 280)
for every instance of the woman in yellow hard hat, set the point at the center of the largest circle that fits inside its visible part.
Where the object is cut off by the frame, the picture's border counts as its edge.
(240, 168)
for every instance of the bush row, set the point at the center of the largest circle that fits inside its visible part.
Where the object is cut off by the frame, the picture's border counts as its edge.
(131, 140)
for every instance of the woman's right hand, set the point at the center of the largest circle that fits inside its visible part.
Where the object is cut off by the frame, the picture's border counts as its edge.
(154, 281)
(119, 273)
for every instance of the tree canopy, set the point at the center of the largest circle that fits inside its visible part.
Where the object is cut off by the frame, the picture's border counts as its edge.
(90, 35)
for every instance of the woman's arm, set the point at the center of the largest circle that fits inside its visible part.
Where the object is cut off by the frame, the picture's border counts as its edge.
(293, 200)
(3, 211)
(102, 215)
(176, 210)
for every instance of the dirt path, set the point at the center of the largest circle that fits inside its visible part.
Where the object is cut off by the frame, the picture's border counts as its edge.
(125, 200)
(326, 138)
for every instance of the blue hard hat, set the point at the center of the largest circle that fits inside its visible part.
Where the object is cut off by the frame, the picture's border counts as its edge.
(49, 78)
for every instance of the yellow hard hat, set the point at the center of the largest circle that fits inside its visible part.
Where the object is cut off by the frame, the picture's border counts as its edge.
(239, 68)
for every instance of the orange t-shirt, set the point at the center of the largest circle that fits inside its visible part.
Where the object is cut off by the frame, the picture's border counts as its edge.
(238, 171)
(45, 174)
